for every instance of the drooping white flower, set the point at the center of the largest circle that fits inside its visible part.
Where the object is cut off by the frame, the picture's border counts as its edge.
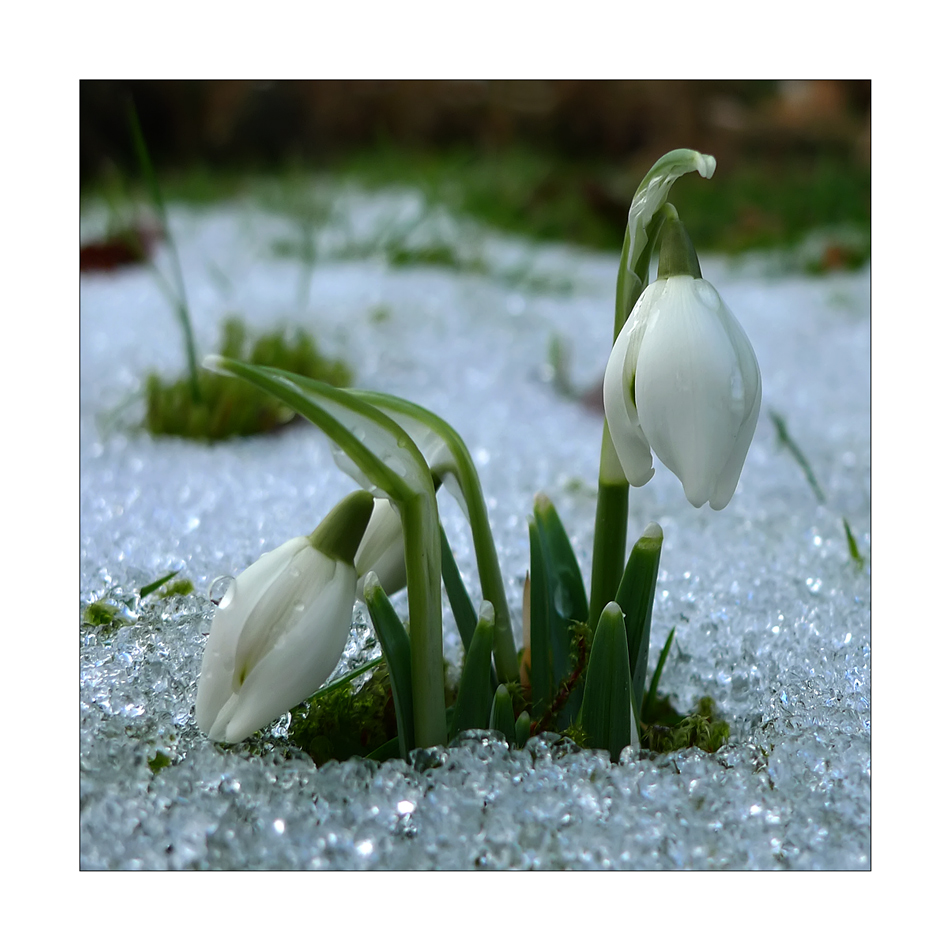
(280, 629)
(683, 381)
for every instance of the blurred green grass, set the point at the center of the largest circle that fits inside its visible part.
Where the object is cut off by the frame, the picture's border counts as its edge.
(750, 204)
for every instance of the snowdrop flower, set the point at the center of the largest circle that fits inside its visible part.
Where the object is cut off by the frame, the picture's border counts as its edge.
(682, 380)
(280, 629)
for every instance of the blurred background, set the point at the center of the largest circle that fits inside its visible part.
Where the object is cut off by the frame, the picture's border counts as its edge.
(555, 160)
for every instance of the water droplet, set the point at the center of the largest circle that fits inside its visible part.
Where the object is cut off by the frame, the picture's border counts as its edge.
(563, 602)
(221, 591)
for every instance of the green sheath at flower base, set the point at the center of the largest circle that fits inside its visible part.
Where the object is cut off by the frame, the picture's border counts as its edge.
(390, 460)
(643, 224)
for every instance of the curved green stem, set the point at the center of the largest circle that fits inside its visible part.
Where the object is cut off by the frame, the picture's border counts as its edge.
(461, 466)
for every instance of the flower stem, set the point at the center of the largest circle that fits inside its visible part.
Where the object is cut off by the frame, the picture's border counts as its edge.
(423, 576)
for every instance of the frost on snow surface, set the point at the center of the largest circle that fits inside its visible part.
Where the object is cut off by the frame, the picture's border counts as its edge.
(772, 614)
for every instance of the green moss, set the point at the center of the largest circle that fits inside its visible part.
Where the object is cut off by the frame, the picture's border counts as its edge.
(178, 588)
(667, 730)
(101, 614)
(158, 761)
(342, 722)
(229, 407)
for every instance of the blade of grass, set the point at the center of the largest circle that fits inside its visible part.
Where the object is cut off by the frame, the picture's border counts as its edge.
(151, 588)
(181, 305)
(781, 431)
(650, 702)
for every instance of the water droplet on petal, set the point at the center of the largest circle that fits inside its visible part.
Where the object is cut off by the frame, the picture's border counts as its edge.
(221, 591)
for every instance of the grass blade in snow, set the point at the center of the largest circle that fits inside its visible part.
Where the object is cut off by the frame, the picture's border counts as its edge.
(473, 706)
(635, 597)
(606, 711)
(395, 643)
(647, 714)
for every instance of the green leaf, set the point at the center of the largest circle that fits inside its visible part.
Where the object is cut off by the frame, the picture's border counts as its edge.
(396, 649)
(784, 439)
(502, 715)
(473, 705)
(635, 597)
(649, 704)
(542, 676)
(606, 710)
(151, 588)
(343, 680)
(853, 550)
(566, 602)
(522, 729)
(460, 602)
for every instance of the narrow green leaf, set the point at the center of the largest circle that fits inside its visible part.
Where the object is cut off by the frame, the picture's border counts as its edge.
(635, 596)
(781, 432)
(650, 703)
(151, 588)
(343, 680)
(542, 676)
(566, 599)
(388, 750)
(522, 729)
(607, 711)
(395, 643)
(460, 602)
(473, 705)
(853, 550)
(502, 715)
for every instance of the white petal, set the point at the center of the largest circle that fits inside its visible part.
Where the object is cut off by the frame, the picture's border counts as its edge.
(692, 394)
(382, 549)
(623, 420)
(215, 685)
(729, 477)
(301, 659)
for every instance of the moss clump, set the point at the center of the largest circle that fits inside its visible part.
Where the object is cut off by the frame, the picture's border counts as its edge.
(229, 407)
(177, 589)
(342, 722)
(101, 614)
(667, 730)
(158, 761)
